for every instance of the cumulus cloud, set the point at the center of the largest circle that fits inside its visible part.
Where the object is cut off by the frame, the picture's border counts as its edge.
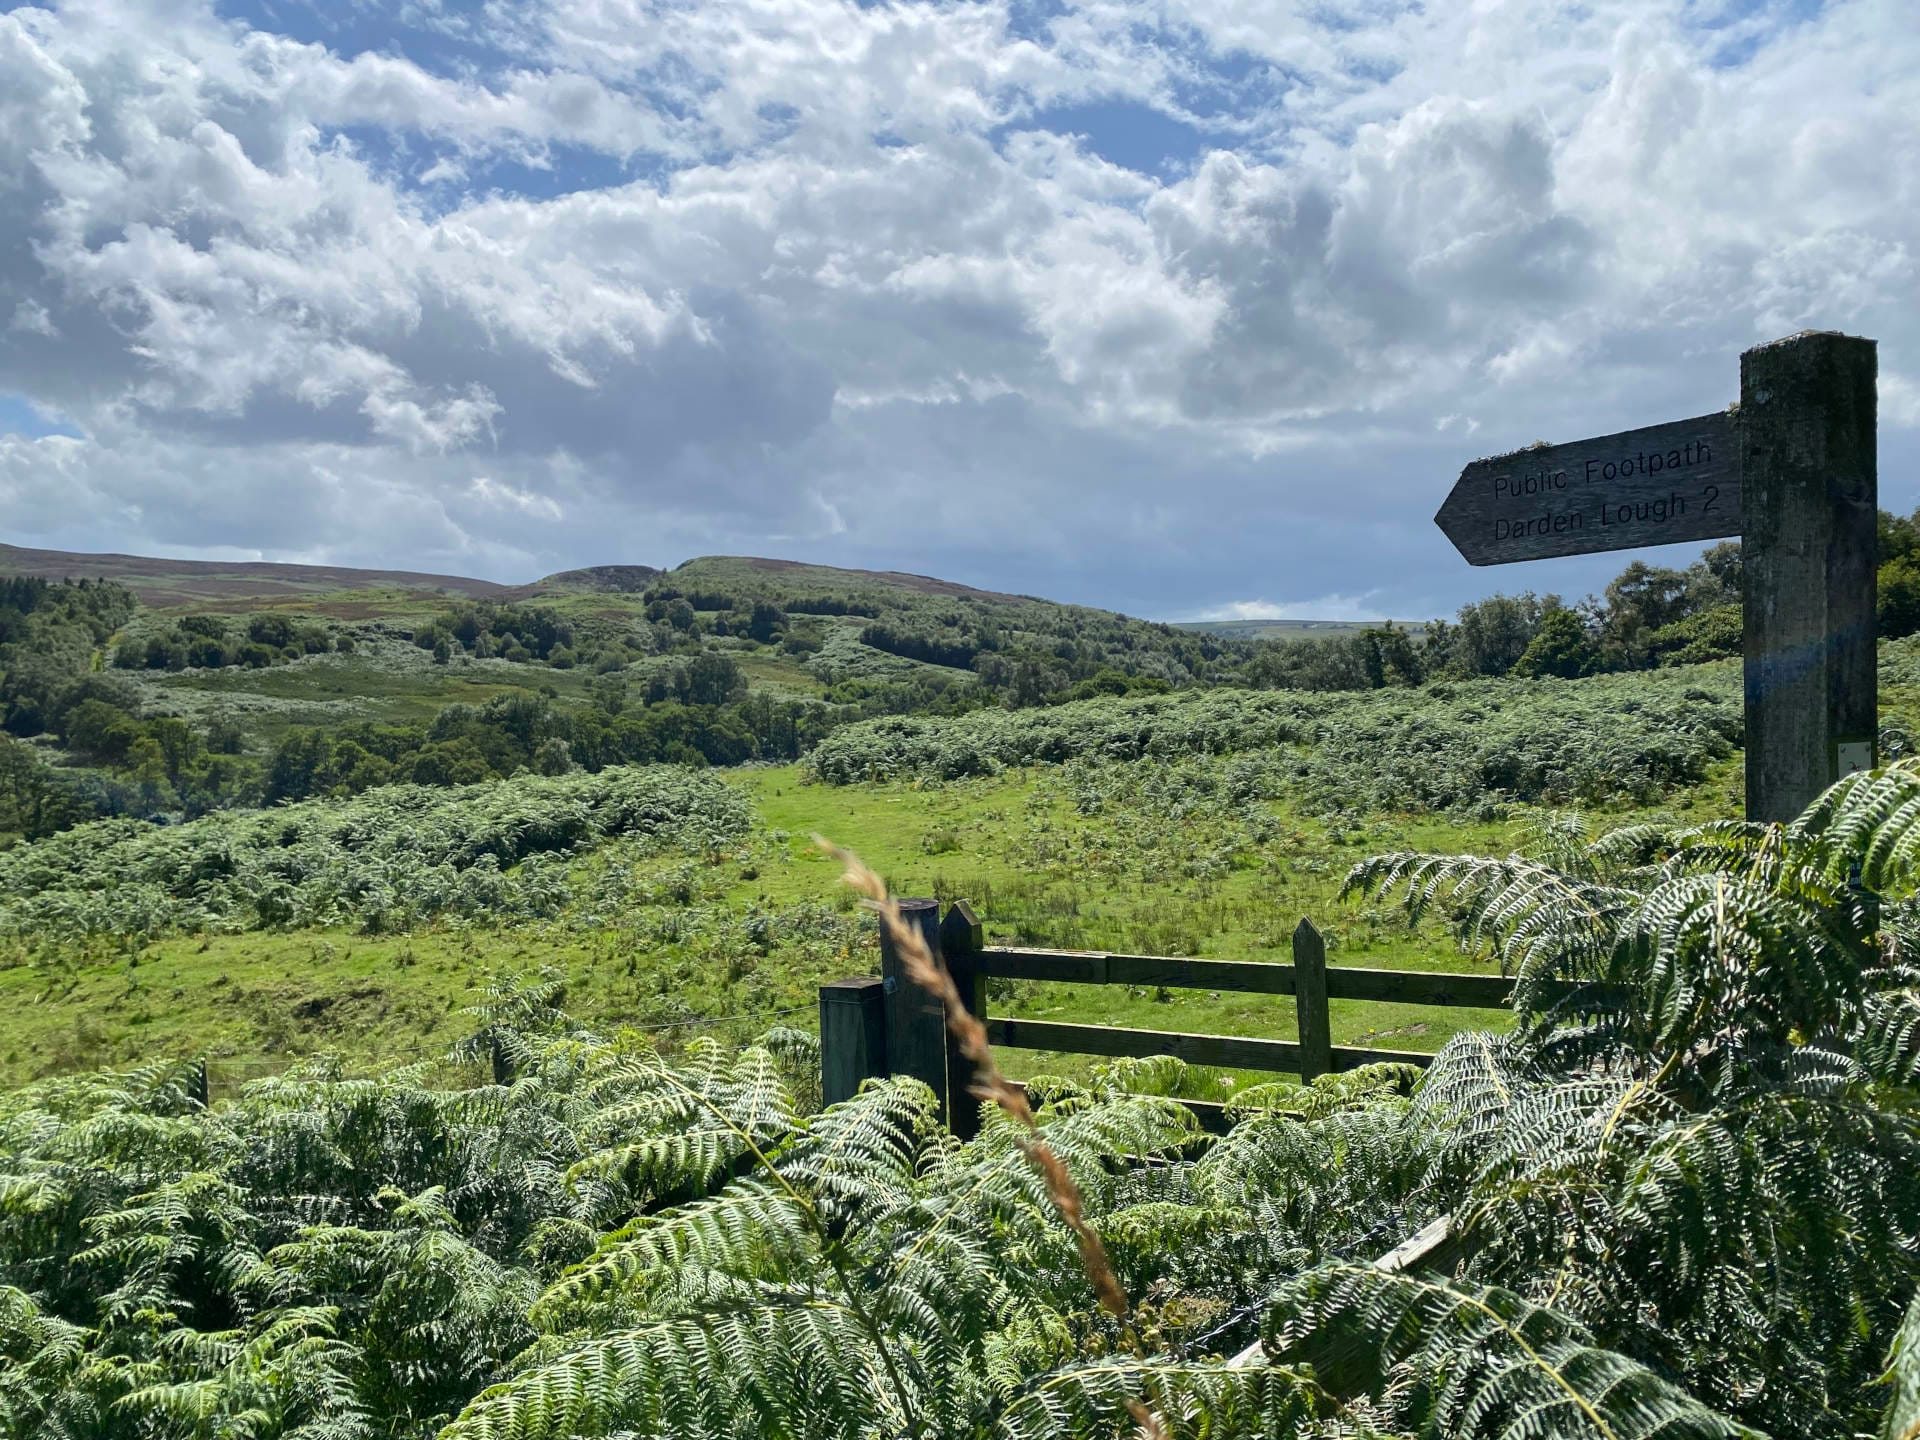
(1327, 607)
(853, 280)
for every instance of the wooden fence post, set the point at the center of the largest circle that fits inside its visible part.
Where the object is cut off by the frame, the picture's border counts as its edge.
(916, 1021)
(502, 1062)
(961, 939)
(853, 1036)
(197, 1083)
(1808, 555)
(1310, 1000)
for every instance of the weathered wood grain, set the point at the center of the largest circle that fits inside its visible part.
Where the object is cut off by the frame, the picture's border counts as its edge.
(961, 936)
(916, 1020)
(1807, 410)
(1233, 1051)
(1407, 987)
(1091, 968)
(1657, 486)
(1310, 1001)
(853, 1036)
(1422, 987)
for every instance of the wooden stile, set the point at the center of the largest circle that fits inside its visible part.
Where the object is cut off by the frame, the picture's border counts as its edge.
(890, 1026)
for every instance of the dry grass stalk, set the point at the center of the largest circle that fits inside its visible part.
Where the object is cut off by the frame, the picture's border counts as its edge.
(990, 1085)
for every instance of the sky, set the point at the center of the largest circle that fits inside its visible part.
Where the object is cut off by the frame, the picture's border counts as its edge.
(1191, 308)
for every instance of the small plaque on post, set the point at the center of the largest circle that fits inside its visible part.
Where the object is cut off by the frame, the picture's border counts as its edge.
(1854, 756)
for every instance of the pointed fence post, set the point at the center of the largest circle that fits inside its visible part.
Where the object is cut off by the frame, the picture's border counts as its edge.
(1310, 1000)
(916, 1021)
(853, 1036)
(961, 939)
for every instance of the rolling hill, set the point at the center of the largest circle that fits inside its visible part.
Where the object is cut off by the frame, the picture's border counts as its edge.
(228, 584)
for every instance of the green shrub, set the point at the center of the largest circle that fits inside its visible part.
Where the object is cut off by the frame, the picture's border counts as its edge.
(1628, 737)
(385, 860)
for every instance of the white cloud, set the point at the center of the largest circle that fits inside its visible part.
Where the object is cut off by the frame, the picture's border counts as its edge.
(710, 276)
(494, 495)
(30, 317)
(1363, 606)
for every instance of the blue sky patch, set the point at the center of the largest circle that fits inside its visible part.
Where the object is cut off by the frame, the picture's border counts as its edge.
(448, 34)
(1032, 19)
(569, 169)
(1745, 27)
(1124, 132)
(18, 416)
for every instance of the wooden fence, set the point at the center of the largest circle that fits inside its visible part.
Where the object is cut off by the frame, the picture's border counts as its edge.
(886, 1025)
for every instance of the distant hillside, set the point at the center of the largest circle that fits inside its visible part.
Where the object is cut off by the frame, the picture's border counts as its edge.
(182, 686)
(606, 579)
(231, 585)
(223, 584)
(782, 579)
(1298, 629)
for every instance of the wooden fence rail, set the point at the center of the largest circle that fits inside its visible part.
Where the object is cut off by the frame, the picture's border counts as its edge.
(888, 1026)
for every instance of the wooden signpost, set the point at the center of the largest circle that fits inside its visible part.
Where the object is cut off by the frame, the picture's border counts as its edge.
(1792, 470)
(1658, 486)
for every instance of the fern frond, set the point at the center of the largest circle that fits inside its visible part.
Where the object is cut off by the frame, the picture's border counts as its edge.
(1473, 1361)
(765, 1372)
(1888, 1041)
(754, 1230)
(1903, 1379)
(1191, 1401)
(1542, 924)
(1866, 828)
(1713, 954)
(1326, 1094)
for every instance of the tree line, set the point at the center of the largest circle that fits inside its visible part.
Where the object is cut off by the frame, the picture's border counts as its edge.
(1649, 617)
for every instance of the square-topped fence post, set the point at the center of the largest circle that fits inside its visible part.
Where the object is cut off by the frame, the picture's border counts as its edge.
(1809, 556)
(853, 1036)
(916, 1020)
(961, 939)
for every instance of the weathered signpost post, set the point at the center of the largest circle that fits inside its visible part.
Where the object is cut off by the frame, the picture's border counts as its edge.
(1791, 470)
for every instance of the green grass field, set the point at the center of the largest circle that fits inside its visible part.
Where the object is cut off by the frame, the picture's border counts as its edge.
(753, 931)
